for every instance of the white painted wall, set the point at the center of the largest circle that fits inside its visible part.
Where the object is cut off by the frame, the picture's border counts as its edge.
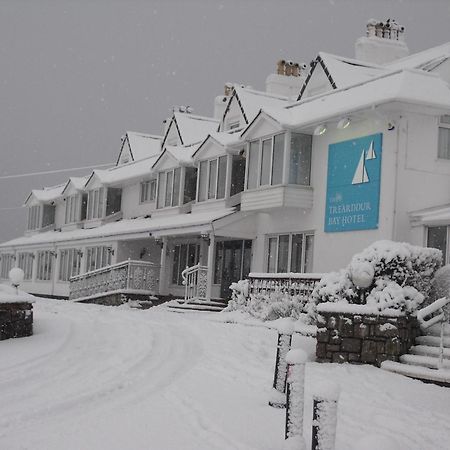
(130, 202)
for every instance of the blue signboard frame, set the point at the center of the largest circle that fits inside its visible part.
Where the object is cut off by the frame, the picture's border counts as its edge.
(353, 184)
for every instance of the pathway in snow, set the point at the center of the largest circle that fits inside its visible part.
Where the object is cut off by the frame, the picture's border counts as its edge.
(94, 378)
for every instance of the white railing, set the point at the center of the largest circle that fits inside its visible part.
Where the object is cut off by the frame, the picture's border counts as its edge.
(195, 283)
(438, 312)
(127, 276)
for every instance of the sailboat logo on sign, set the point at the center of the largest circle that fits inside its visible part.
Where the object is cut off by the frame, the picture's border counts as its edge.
(353, 184)
(361, 172)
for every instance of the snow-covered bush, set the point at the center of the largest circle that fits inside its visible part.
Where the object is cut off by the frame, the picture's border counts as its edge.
(441, 283)
(385, 275)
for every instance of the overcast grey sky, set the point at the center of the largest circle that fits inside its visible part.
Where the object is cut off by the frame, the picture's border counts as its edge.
(76, 75)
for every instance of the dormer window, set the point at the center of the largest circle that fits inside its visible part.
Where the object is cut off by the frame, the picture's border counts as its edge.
(169, 188)
(113, 201)
(444, 138)
(34, 217)
(95, 204)
(72, 209)
(212, 179)
(48, 215)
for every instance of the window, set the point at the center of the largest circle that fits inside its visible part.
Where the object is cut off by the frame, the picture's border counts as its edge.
(98, 257)
(95, 204)
(437, 238)
(113, 201)
(26, 264)
(184, 255)
(148, 191)
(190, 184)
(266, 159)
(237, 174)
(300, 159)
(69, 263)
(291, 252)
(233, 125)
(48, 215)
(44, 265)
(212, 179)
(444, 138)
(7, 263)
(169, 188)
(72, 209)
(34, 217)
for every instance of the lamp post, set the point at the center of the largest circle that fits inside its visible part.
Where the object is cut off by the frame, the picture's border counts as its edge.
(16, 277)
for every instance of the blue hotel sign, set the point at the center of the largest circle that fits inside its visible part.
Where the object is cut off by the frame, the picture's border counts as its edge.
(353, 184)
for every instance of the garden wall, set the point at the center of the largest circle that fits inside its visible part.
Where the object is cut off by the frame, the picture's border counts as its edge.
(360, 338)
(16, 320)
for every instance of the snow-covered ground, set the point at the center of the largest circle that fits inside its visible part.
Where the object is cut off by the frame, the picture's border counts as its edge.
(94, 378)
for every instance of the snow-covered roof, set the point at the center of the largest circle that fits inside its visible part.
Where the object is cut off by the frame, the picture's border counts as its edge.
(143, 145)
(77, 182)
(425, 60)
(251, 101)
(408, 86)
(126, 227)
(438, 215)
(47, 194)
(222, 138)
(181, 153)
(124, 172)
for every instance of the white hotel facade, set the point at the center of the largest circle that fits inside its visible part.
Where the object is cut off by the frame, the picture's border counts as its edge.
(293, 179)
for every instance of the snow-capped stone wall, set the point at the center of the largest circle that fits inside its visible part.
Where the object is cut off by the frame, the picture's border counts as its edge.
(371, 339)
(16, 320)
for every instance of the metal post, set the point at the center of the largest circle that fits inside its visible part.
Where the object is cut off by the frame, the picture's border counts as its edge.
(324, 416)
(295, 396)
(278, 398)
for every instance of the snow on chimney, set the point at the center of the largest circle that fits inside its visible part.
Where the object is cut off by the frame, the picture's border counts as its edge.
(221, 101)
(288, 80)
(383, 43)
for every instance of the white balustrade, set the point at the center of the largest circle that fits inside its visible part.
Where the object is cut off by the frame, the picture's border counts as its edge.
(195, 283)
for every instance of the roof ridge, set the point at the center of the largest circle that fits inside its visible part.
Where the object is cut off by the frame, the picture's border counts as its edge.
(422, 52)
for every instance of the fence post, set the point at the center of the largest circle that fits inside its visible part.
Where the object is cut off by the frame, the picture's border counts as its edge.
(324, 422)
(278, 397)
(295, 399)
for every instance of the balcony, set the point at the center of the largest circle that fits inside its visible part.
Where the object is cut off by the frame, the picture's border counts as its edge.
(127, 277)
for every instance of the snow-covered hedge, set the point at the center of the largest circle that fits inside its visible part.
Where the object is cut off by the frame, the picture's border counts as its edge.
(270, 305)
(387, 275)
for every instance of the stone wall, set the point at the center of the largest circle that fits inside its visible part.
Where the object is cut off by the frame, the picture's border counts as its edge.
(16, 320)
(370, 339)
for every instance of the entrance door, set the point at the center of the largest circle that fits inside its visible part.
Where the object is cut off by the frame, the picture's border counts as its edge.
(233, 259)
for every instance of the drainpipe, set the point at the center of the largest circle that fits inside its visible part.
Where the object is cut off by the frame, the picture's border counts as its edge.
(398, 125)
(209, 276)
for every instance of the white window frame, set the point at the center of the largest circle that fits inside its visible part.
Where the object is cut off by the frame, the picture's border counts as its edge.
(44, 265)
(174, 200)
(260, 160)
(445, 126)
(72, 213)
(208, 176)
(100, 254)
(7, 263)
(147, 191)
(289, 261)
(25, 262)
(34, 217)
(96, 204)
(67, 257)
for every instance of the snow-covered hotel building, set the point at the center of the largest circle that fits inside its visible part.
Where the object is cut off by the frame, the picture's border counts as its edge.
(294, 179)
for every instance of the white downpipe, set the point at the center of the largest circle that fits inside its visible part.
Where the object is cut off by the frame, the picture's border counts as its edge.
(210, 265)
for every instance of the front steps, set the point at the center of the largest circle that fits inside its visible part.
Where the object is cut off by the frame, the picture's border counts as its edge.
(197, 305)
(422, 360)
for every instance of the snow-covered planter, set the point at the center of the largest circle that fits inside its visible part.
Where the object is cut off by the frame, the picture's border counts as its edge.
(16, 319)
(386, 275)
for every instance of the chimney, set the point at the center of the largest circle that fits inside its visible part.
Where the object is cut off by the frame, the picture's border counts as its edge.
(383, 43)
(288, 79)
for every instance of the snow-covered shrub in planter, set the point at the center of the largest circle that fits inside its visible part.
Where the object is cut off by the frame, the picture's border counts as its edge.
(441, 283)
(386, 275)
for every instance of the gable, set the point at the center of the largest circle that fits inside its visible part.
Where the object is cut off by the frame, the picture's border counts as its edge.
(318, 81)
(172, 136)
(125, 155)
(70, 189)
(93, 182)
(165, 162)
(263, 125)
(210, 149)
(234, 113)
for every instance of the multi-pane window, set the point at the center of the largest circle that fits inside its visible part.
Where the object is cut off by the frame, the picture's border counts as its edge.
(34, 217)
(44, 265)
(7, 263)
(169, 188)
(437, 237)
(300, 159)
(69, 263)
(25, 262)
(113, 201)
(184, 255)
(291, 252)
(95, 204)
(98, 257)
(212, 179)
(72, 209)
(444, 138)
(266, 159)
(148, 191)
